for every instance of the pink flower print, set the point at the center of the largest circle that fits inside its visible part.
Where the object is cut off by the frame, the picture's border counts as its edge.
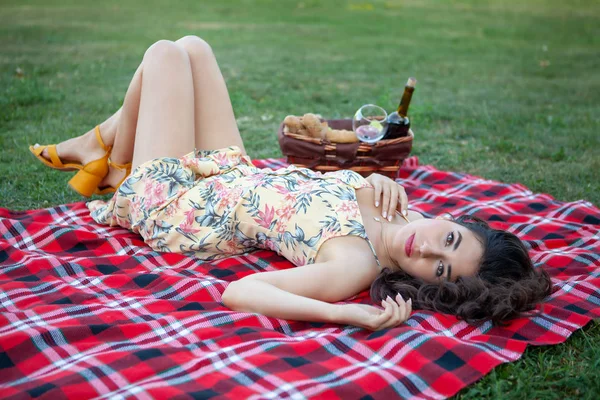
(280, 226)
(189, 162)
(172, 208)
(219, 189)
(286, 212)
(229, 198)
(348, 208)
(290, 198)
(224, 159)
(157, 192)
(256, 179)
(265, 218)
(153, 193)
(288, 195)
(187, 225)
(281, 189)
(202, 167)
(135, 208)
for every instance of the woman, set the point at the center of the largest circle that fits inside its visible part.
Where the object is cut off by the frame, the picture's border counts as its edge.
(343, 232)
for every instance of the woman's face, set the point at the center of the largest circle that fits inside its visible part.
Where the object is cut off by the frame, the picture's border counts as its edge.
(436, 249)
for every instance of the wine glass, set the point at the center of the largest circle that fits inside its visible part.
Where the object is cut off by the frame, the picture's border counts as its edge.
(369, 123)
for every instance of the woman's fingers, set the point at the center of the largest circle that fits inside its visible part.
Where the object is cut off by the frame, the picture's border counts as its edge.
(385, 203)
(393, 317)
(382, 318)
(393, 201)
(403, 200)
(390, 195)
(402, 307)
(402, 310)
(377, 193)
(388, 309)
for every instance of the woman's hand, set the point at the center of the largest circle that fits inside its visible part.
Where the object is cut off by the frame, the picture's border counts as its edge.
(391, 194)
(362, 315)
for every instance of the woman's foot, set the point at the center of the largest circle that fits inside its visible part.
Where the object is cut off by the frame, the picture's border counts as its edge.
(86, 148)
(79, 150)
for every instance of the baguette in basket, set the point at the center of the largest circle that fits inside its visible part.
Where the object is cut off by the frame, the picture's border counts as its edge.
(310, 125)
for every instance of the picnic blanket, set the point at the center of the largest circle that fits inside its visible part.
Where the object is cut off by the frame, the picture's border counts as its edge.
(91, 311)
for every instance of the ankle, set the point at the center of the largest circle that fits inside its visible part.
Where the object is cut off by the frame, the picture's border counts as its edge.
(108, 130)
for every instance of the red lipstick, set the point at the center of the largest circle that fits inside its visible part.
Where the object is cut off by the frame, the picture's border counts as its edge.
(408, 247)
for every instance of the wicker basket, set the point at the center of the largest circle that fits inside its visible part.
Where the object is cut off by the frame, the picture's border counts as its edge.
(384, 157)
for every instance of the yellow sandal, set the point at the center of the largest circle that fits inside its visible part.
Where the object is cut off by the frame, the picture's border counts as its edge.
(91, 174)
(121, 167)
(55, 162)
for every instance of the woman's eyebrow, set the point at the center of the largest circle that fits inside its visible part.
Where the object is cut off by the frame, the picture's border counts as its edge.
(458, 241)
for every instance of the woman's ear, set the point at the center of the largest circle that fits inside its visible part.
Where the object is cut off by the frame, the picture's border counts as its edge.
(447, 216)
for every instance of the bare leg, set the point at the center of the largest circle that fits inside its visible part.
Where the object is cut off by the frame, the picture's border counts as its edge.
(215, 125)
(165, 124)
(124, 129)
(214, 120)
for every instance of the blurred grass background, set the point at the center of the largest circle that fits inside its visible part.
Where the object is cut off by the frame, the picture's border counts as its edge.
(508, 90)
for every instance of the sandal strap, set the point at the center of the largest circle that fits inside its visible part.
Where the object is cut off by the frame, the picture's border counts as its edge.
(54, 156)
(99, 139)
(125, 167)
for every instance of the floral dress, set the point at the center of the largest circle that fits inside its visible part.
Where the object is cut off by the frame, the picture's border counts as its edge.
(215, 204)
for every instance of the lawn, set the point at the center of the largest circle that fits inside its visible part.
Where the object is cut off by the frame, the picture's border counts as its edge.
(508, 90)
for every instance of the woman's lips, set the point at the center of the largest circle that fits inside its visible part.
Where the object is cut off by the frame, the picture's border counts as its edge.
(408, 247)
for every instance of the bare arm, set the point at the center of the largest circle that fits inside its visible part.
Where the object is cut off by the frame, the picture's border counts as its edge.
(304, 294)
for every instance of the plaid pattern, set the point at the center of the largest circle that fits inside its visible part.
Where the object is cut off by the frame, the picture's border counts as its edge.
(90, 311)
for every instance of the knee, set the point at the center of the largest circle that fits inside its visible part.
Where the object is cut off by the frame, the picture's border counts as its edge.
(165, 51)
(195, 46)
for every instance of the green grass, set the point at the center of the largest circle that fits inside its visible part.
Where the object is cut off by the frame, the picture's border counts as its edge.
(508, 90)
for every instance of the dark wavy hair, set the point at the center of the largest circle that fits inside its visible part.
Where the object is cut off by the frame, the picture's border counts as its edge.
(506, 283)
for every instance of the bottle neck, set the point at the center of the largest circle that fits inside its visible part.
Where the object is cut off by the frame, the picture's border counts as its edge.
(405, 101)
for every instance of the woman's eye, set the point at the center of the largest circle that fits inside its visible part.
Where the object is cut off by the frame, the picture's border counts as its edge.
(449, 238)
(440, 270)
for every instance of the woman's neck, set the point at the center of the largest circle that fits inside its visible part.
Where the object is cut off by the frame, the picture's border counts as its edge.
(380, 231)
(384, 242)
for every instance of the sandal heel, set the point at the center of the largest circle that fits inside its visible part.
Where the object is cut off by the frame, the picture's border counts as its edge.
(87, 180)
(85, 183)
(122, 167)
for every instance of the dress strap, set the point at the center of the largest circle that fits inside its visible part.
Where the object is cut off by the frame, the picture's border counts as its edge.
(373, 250)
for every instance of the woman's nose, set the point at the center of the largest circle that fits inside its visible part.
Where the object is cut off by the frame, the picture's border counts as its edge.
(426, 250)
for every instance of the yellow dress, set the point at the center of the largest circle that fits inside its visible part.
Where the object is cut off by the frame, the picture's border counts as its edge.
(214, 204)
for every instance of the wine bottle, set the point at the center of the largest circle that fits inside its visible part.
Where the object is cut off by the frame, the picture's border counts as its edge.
(398, 122)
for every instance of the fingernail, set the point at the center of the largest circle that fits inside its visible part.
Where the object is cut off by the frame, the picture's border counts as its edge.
(377, 204)
(390, 218)
(400, 296)
(384, 214)
(409, 301)
(389, 298)
(405, 212)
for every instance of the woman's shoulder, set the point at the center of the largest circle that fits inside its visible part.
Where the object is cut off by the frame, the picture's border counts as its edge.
(347, 250)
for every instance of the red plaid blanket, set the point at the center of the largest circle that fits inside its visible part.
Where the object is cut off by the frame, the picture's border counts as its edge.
(90, 311)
